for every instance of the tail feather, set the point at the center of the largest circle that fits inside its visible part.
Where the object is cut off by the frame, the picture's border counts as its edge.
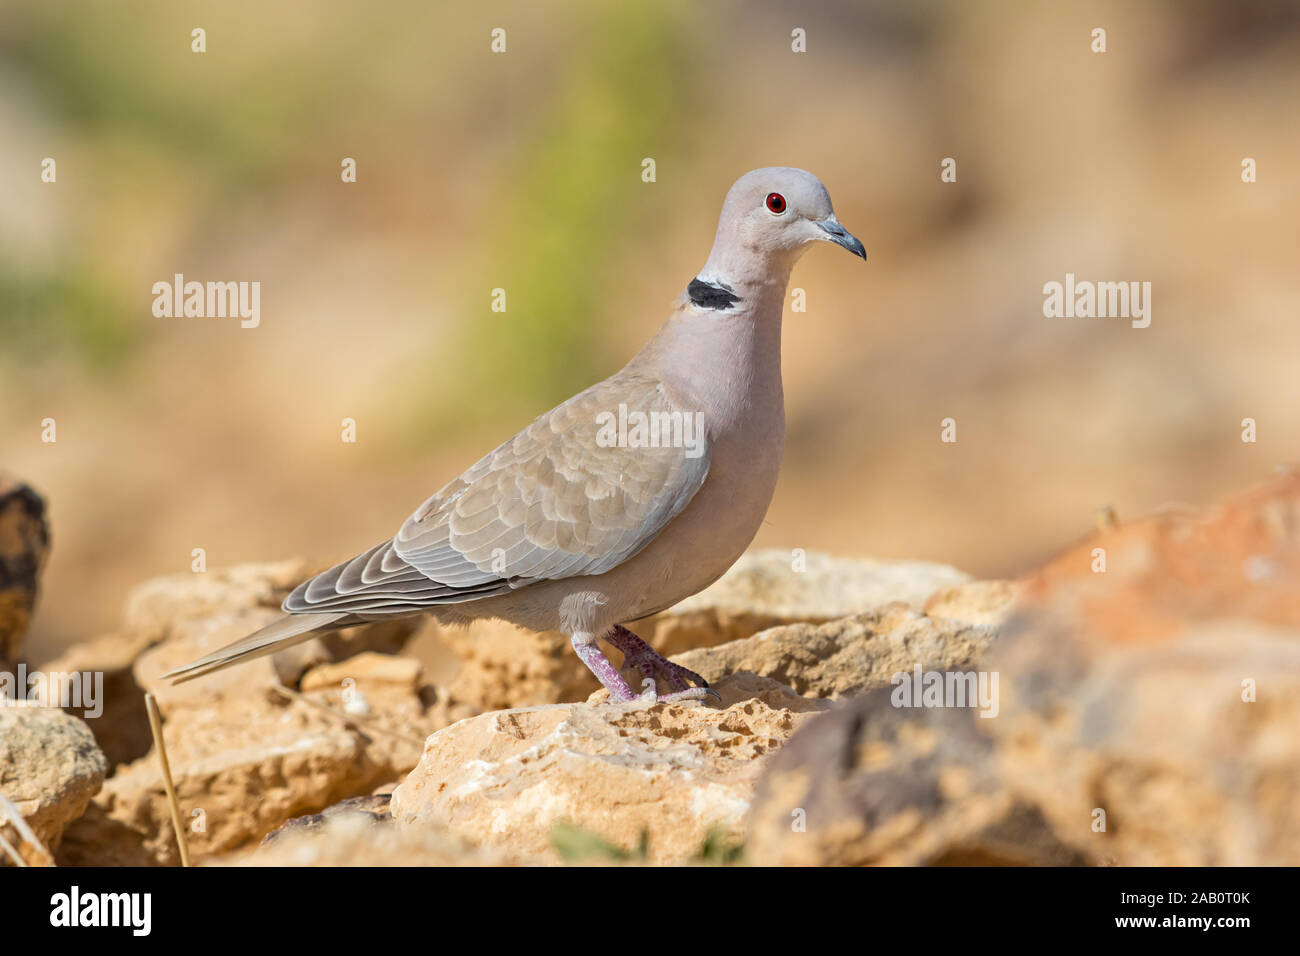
(276, 636)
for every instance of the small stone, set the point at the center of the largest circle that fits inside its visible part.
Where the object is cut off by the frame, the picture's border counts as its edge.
(50, 768)
(24, 547)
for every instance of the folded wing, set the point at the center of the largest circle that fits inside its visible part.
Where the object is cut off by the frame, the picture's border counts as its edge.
(579, 491)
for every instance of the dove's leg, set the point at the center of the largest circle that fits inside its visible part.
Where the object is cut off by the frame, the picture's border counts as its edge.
(599, 664)
(618, 688)
(648, 661)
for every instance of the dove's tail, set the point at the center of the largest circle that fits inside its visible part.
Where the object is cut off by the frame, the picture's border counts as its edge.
(276, 636)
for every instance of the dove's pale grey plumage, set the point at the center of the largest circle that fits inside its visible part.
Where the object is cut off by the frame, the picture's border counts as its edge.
(562, 528)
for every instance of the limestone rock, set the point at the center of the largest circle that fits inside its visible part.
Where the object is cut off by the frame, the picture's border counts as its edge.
(19, 842)
(1161, 741)
(24, 546)
(169, 621)
(849, 656)
(677, 773)
(1149, 686)
(373, 808)
(349, 838)
(1165, 690)
(244, 764)
(154, 607)
(1240, 559)
(872, 783)
(228, 605)
(122, 727)
(172, 620)
(366, 670)
(764, 590)
(979, 603)
(243, 755)
(503, 666)
(192, 638)
(50, 767)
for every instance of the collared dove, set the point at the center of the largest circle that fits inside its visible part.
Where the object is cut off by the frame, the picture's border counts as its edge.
(581, 523)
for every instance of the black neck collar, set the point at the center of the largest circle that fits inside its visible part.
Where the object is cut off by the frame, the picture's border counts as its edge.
(711, 295)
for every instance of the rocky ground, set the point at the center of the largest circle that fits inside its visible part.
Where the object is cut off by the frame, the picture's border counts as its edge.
(1147, 679)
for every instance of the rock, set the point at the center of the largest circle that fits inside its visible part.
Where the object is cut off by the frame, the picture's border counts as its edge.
(680, 775)
(162, 607)
(154, 607)
(1239, 560)
(243, 764)
(872, 783)
(985, 604)
(359, 839)
(170, 621)
(242, 753)
(24, 546)
(246, 761)
(764, 590)
(50, 767)
(1164, 692)
(191, 639)
(235, 781)
(503, 666)
(373, 808)
(21, 845)
(122, 727)
(365, 670)
(1186, 772)
(187, 615)
(847, 657)
(1149, 686)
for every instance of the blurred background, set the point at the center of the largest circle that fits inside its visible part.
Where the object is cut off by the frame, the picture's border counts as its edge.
(523, 171)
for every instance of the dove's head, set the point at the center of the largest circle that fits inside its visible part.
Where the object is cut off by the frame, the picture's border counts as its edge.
(776, 213)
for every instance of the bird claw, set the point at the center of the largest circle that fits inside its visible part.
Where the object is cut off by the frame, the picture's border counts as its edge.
(692, 693)
(651, 695)
(649, 663)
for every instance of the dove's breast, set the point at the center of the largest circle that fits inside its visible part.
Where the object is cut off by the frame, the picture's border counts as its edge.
(720, 522)
(733, 367)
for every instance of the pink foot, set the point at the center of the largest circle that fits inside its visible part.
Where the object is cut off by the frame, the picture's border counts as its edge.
(650, 664)
(641, 656)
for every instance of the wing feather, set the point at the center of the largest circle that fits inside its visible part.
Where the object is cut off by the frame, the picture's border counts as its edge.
(558, 500)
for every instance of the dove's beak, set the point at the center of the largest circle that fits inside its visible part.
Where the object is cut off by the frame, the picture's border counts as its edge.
(841, 237)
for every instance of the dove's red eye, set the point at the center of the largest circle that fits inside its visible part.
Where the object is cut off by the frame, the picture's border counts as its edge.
(776, 203)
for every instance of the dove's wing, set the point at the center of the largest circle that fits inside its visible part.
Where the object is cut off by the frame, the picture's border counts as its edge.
(562, 498)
